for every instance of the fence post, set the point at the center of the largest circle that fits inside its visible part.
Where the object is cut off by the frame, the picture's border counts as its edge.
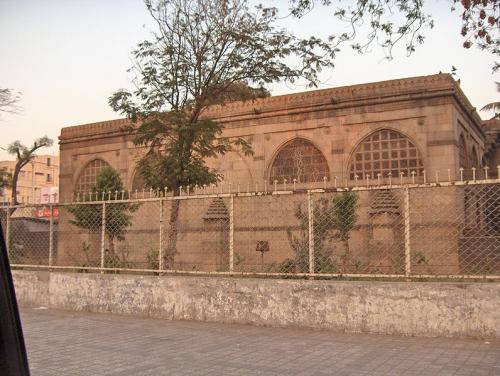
(231, 233)
(103, 234)
(160, 249)
(407, 233)
(311, 231)
(51, 235)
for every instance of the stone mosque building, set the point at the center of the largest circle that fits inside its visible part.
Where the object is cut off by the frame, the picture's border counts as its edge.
(370, 130)
(412, 128)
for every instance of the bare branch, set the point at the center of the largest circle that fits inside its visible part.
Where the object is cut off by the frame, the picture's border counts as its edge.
(9, 100)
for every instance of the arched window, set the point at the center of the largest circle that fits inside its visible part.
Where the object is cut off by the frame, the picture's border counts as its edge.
(474, 159)
(385, 152)
(299, 159)
(462, 153)
(138, 184)
(87, 178)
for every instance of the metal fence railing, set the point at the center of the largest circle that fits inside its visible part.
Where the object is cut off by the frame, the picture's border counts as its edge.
(441, 230)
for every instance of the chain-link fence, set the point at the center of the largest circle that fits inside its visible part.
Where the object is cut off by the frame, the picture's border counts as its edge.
(433, 230)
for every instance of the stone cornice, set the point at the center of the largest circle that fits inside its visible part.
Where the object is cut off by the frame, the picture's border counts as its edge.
(92, 129)
(325, 99)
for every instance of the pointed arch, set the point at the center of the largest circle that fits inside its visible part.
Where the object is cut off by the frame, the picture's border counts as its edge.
(87, 178)
(474, 158)
(463, 159)
(384, 152)
(138, 183)
(299, 159)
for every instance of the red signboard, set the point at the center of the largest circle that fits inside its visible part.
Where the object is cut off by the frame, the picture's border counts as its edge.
(45, 213)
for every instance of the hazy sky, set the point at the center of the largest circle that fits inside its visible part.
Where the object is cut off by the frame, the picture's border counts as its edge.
(68, 56)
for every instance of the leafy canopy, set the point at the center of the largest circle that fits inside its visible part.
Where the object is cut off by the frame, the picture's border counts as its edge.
(23, 153)
(390, 22)
(117, 218)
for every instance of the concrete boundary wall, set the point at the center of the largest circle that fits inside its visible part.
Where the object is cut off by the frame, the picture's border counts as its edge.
(415, 309)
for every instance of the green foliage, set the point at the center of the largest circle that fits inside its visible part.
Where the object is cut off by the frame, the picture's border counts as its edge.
(332, 219)
(118, 215)
(181, 159)
(117, 260)
(152, 257)
(239, 91)
(24, 153)
(343, 214)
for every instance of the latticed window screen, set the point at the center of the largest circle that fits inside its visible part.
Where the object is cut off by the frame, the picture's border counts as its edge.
(385, 152)
(87, 178)
(299, 159)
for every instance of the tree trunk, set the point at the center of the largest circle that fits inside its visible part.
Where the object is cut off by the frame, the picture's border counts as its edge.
(15, 176)
(171, 249)
(111, 245)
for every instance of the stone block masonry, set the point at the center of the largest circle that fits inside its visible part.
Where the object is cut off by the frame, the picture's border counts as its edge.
(411, 309)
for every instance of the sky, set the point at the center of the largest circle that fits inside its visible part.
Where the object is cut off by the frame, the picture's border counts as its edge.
(66, 57)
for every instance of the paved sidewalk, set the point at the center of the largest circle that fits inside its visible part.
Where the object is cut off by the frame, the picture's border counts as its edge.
(68, 343)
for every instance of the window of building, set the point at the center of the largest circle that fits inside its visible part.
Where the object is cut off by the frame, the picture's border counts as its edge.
(48, 162)
(87, 178)
(474, 159)
(49, 178)
(462, 153)
(299, 159)
(138, 184)
(385, 152)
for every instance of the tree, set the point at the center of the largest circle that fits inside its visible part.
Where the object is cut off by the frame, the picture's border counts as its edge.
(332, 219)
(23, 156)
(323, 227)
(201, 52)
(240, 91)
(493, 106)
(344, 219)
(118, 215)
(9, 100)
(393, 21)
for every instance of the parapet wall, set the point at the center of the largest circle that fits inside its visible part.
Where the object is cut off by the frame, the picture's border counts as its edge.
(413, 308)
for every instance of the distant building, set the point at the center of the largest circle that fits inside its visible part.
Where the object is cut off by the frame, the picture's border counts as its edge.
(38, 181)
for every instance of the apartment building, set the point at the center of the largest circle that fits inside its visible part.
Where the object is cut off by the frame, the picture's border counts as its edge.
(38, 181)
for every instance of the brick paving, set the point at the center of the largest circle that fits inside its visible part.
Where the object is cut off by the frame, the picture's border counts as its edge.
(69, 343)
